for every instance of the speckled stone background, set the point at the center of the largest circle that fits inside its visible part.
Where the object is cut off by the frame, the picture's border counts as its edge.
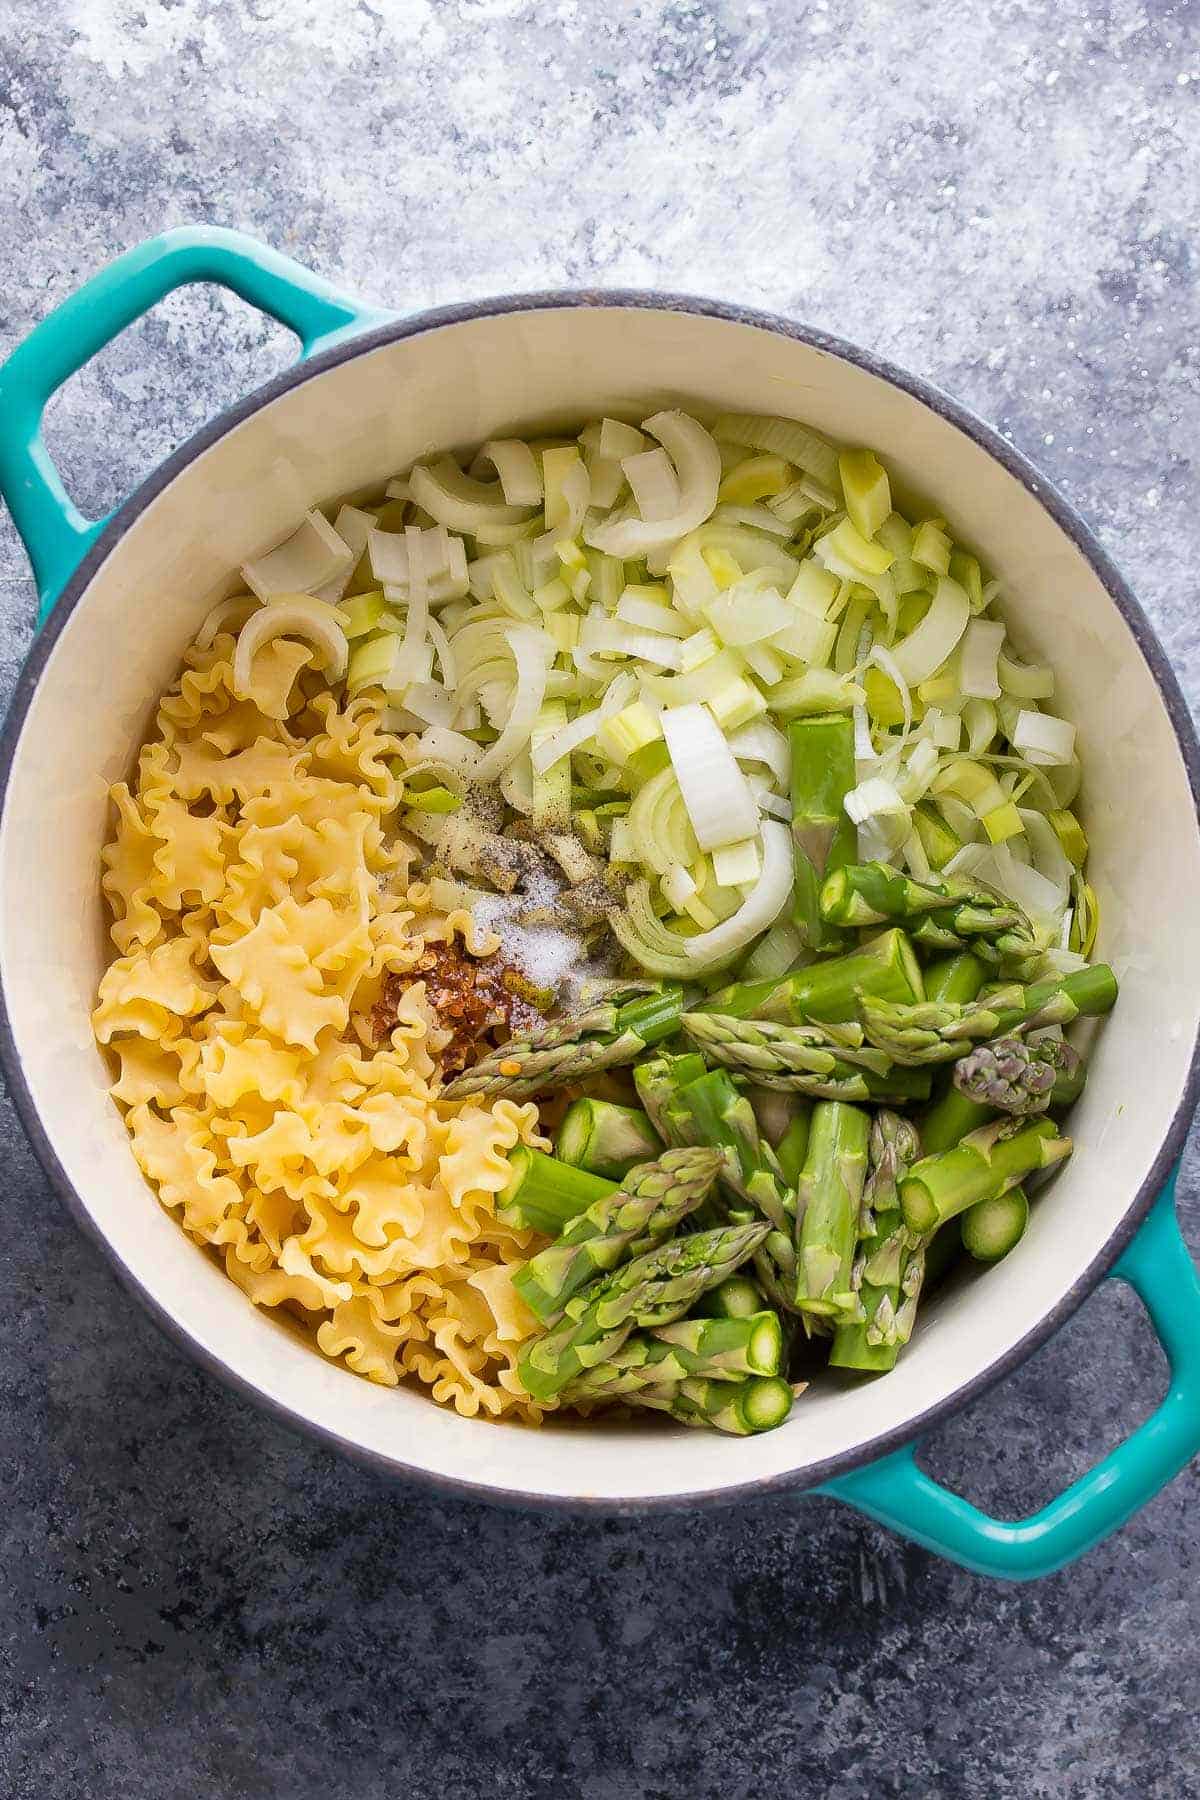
(199, 1606)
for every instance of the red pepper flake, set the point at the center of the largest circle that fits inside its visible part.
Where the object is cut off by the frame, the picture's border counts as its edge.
(473, 997)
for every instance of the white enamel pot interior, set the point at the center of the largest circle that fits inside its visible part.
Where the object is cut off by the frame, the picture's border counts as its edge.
(351, 419)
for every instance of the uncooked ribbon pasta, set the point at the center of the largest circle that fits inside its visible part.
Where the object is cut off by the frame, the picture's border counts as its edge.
(261, 908)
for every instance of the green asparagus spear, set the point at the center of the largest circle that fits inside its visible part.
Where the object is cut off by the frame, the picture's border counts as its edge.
(651, 1291)
(729, 1347)
(828, 992)
(725, 1118)
(939, 1031)
(652, 1200)
(604, 1138)
(991, 1228)
(890, 1260)
(774, 1264)
(602, 1037)
(937, 839)
(1016, 1075)
(709, 1110)
(543, 1194)
(986, 1163)
(716, 1349)
(952, 1115)
(793, 1145)
(658, 1080)
(812, 1048)
(824, 837)
(1018, 955)
(1068, 1085)
(893, 1147)
(608, 1035)
(801, 1057)
(774, 1111)
(828, 1203)
(759, 1403)
(719, 1115)
(737, 1298)
(948, 1120)
(956, 978)
(874, 893)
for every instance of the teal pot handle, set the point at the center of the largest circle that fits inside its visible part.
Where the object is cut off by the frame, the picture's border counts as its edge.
(54, 531)
(895, 1491)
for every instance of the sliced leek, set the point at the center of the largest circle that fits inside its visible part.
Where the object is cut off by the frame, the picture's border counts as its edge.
(612, 628)
(292, 615)
(715, 792)
(516, 467)
(762, 906)
(532, 651)
(785, 438)
(937, 636)
(698, 471)
(311, 557)
(452, 498)
(1043, 738)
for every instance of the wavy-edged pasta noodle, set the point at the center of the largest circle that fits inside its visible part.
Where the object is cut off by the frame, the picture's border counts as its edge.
(259, 900)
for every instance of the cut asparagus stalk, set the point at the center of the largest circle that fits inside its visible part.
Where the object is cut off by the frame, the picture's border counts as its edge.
(793, 1145)
(1005, 954)
(948, 1120)
(652, 1200)
(684, 1066)
(714, 1349)
(729, 1347)
(937, 839)
(1068, 1085)
(828, 1202)
(987, 1162)
(939, 1031)
(653, 1290)
(774, 1265)
(725, 1118)
(934, 935)
(604, 1138)
(709, 1110)
(774, 1111)
(737, 1298)
(956, 978)
(759, 1403)
(874, 893)
(952, 1115)
(802, 1058)
(578, 1047)
(890, 1260)
(658, 1080)
(543, 1194)
(1016, 1075)
(824, 837)
(991, 1228)
(828, 992)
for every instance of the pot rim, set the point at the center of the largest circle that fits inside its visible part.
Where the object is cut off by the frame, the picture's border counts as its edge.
(916, 387)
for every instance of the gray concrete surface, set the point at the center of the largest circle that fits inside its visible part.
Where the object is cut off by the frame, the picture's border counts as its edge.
(199, 1606)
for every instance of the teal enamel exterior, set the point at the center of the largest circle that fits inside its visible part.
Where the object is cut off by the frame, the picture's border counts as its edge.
(54, 531)
(893, 1489)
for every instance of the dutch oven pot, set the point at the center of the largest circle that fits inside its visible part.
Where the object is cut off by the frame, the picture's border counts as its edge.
(371, 391)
